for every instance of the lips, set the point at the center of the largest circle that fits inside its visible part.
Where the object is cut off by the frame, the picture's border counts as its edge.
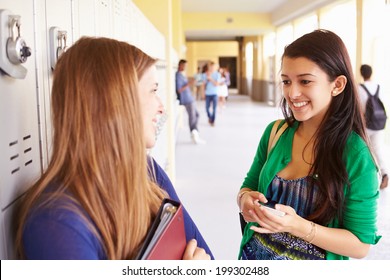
(155, 124)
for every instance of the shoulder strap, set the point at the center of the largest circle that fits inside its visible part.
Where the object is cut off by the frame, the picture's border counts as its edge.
(275, 134)
(366, 90)
(377, 91)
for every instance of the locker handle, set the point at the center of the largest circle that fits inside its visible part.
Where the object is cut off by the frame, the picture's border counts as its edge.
(13, 48)
(58, 46)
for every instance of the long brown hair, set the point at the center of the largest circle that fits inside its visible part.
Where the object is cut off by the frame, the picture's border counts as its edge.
(344, 116)
(99, 153)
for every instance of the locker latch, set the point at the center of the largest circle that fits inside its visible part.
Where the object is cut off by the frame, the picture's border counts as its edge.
(57, 44)
(13, 48)
(17, 49)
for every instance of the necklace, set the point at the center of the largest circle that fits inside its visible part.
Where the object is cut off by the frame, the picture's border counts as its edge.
(303, 158)
(315, 175)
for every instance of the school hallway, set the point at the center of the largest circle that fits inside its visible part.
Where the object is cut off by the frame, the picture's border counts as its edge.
(208, 176)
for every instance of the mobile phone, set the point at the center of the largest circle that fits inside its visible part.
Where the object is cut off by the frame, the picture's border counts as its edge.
(270, 206)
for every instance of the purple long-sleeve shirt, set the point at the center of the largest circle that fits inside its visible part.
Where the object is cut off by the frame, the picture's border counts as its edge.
(62, 234)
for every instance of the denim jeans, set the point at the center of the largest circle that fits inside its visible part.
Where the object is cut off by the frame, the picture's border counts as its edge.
(211, 100)
(193, 115)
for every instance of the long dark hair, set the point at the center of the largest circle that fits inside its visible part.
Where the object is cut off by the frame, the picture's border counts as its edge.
(344, 116)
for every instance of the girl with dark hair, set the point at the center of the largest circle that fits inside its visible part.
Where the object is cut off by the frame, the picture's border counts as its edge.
(321, 172)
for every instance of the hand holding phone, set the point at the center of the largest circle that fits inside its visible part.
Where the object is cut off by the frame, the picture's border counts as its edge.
(270, 206)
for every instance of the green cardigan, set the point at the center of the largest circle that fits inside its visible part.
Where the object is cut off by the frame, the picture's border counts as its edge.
(360, 212)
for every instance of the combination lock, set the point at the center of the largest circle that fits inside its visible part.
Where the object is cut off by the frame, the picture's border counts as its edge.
(13, 48)
(17, 50)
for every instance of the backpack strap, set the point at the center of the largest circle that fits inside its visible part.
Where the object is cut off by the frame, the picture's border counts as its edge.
(366, 89)
(275, 134)
(368, 92)
(377, 91)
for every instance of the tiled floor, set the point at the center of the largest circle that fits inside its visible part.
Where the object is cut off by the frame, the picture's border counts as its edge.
(208, 176)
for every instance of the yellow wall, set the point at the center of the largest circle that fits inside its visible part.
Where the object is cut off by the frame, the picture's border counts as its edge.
(156, 12)
(153, 10)
(208, 51)
(257, 55)
(218, 21)
(178, 40)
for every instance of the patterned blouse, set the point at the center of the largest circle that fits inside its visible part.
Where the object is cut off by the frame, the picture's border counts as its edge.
(282, 245)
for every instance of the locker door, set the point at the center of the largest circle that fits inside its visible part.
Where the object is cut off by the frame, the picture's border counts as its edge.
(20, 162)
(53, 31)
(118, 11)
(127, 18)
(103, 18)
(84, 18)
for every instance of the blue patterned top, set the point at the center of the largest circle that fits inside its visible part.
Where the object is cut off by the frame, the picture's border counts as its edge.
(282, 245)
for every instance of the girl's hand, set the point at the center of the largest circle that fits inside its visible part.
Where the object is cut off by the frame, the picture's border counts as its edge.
(248, 202)
(271, 223)
(193, 252)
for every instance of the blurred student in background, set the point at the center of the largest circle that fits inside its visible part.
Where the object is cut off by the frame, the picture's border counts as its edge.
(199, 91)
(211, 79)
(375, 126)
(223, 89)
(183, 88)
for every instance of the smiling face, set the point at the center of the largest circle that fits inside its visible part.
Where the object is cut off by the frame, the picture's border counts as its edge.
(307, 88)
(151, 105)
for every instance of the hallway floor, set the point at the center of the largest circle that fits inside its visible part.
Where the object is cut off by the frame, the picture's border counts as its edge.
(208, 176)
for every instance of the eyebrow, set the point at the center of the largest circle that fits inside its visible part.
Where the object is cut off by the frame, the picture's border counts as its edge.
(300, 75)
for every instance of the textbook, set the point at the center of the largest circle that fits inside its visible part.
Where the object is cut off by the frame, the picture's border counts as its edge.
(166, 238)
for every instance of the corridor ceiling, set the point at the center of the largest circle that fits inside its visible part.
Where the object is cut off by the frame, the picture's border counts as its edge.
(280, 11)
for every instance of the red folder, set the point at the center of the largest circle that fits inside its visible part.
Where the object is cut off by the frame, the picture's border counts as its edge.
(166, 239)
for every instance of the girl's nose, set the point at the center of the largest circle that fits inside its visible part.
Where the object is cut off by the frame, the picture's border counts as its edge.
(161, 108)
(294, 91)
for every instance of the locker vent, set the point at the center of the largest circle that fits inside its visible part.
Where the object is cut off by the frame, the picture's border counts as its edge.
(16, 155)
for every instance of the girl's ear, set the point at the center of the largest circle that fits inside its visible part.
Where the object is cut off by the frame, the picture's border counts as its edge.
(339, 85)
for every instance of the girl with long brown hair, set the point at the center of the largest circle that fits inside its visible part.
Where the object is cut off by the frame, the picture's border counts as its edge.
(321, 173)
(100, 192)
